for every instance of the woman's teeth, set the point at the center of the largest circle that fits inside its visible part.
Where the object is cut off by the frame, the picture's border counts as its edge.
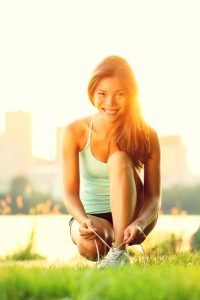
(110, 111)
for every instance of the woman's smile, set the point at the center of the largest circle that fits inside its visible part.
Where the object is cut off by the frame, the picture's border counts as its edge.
(110, 111)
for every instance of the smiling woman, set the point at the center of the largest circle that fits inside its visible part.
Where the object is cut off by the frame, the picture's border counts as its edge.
(102, 155)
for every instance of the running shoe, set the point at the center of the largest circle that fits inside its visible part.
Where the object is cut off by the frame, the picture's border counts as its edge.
(114, 258)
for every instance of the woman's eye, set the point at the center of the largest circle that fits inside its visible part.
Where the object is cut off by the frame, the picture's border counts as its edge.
(101, 93)
(121, 94)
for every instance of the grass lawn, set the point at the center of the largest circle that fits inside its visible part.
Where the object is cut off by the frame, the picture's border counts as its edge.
(164, 277)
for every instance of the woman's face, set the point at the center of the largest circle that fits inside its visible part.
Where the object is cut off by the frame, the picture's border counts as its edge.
(111, 98)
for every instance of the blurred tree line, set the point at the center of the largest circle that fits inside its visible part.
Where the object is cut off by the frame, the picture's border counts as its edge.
(21, 198)
(184, 198)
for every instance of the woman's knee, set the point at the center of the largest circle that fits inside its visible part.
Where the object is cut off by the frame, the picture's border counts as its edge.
(87, 248)
(119, 158)
(90, 249)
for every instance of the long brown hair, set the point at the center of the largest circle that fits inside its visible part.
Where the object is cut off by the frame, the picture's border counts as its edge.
(132, 136)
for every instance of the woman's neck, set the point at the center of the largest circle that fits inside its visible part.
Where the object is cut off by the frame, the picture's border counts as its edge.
(101, 126)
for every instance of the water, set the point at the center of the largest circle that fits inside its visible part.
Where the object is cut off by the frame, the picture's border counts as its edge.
(52, 233)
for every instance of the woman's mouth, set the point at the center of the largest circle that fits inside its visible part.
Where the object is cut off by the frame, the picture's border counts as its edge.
(110, 111)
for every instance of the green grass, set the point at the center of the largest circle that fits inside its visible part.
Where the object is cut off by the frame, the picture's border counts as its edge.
(165, 277)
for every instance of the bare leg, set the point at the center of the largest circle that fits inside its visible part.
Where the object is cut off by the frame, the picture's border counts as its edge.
(123, 193)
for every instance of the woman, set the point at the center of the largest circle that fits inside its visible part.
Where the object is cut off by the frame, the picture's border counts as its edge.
(102, 155)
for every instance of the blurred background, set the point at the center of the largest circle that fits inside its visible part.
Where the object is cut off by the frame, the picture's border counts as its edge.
(48, 51)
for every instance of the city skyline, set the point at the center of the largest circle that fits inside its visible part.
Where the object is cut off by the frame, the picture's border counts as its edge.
(51, 154)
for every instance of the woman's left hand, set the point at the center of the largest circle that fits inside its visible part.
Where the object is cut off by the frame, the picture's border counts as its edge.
(134, 234)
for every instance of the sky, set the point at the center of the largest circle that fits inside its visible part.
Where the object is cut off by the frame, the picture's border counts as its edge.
(50, 48)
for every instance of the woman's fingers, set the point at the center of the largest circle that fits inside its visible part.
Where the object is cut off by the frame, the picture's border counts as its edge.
(86, 229)
(134, 235)
(127, 236)
(87, 235)
(129, 239)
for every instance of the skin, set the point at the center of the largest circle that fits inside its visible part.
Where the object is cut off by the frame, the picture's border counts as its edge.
(136, 205)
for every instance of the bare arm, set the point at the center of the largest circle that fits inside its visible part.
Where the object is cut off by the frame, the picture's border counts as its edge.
(152, 190)
(70, 166)
(134, 233)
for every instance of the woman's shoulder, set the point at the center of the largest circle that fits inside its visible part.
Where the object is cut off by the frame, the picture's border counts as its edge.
(79, 125)
(77, 130)
(153, 141)
(153, 135)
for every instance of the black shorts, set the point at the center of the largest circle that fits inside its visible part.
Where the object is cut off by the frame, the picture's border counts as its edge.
(107, 216)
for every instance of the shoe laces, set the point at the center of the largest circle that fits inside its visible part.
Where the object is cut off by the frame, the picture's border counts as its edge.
(113, 252)
(112, 255)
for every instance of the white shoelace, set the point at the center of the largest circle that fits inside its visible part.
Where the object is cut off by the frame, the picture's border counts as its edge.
(98, 255)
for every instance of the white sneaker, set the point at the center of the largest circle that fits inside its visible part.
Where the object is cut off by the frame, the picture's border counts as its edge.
(114, 258)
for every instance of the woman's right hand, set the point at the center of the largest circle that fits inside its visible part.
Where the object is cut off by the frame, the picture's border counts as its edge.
(86, 229)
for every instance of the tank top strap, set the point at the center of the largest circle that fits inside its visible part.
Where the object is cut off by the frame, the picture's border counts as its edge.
(90, 133)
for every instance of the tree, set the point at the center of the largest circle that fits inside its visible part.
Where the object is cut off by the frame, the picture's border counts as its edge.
(18, 186)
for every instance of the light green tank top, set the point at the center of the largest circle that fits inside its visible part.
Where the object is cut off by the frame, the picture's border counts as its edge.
(94, 181)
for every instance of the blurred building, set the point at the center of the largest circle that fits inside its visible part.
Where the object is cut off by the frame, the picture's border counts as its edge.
(59, 137)
(16, 156)
(45, 176)
(16, 144)
(3, 153)
(174, 165)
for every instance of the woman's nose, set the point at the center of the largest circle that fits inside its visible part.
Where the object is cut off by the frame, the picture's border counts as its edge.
(110, 99)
